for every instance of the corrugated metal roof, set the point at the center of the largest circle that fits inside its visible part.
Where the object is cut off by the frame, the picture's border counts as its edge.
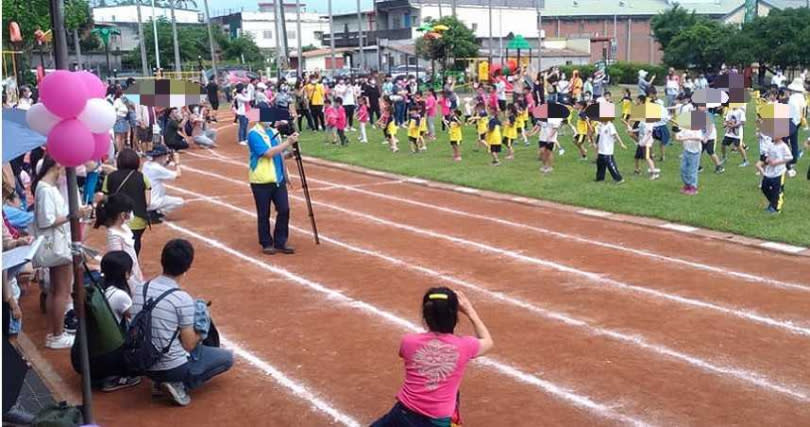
(567, 8)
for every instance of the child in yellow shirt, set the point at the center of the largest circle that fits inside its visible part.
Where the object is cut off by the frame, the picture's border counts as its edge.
(414, 133)
(454, 128)
(522, 120)
(494, 136)
(510, 130)
(582, 129)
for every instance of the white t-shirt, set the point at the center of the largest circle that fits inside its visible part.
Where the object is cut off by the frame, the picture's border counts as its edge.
(548, 132)
(691, 139)
(48, 206)
(778, 80)
(797, 105)
(673, 86)
(711, 131)
(158, 173)
(241, 102)
(777, 151)
(664, 114)
(645, 134)
(765, 144)
(122, 239)
(121, 109)
(500, 90)
(119, 302)
(737, 116)
(251, 91)
(607, 138)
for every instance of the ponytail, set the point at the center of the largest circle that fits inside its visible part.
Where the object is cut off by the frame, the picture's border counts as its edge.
(47, 164)
(109, 208)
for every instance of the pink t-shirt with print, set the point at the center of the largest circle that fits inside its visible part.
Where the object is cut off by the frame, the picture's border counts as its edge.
(434, 367)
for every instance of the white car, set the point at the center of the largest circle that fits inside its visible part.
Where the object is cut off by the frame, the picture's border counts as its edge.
(290, 76)
(411, 70)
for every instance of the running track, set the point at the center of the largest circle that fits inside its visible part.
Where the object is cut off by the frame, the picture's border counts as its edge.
(595, 321)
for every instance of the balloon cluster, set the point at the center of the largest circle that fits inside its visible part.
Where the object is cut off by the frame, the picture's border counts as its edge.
(432, 32)
(74, 116)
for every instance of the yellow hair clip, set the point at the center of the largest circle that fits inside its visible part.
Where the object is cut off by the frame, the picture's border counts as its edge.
(437, 296)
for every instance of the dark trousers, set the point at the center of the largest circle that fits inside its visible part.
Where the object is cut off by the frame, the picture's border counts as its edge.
(305, 113)
(349, 114)
(793, 141)
(773, 189)
(263, 195)
(374, 111)
(607, 162)
(211, 361)
(317, 117)
(342, 134)
(399, 112)
(401, 416)
(138, 234)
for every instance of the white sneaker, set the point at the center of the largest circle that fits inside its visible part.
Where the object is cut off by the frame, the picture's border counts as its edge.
(242, 143)
(177, 391)
(561, 152)
(60, 341)
(792, 173)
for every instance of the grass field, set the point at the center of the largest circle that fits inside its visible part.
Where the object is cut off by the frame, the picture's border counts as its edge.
(729, 202)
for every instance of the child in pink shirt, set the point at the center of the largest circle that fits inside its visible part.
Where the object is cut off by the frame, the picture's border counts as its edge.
(435, 362)
(330, 115)
(362, 117)
(444, 102)
(430, 111)
(340, 120)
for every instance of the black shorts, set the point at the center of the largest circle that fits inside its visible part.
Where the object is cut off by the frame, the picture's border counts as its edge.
(731, 141)
(626, 117)
(502, 104)
(495, 148)
(580, 138)
(412, 139)
(454, 143)
(708, 147)
(507, 142)
(215, 104)
(762, 158)
(642, 152)
(547, 145)
(482, 136)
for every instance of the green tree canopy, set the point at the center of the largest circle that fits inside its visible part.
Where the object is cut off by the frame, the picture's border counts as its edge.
(192, 39)
(29, 14)
(235, 49)
(457, 41)
(667, 25)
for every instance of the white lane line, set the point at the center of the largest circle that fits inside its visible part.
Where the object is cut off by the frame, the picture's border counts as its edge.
(343, 187)
(548, 232)
(294, 387)
(598, 279)
(593, 212)
(679, 227)
(783, 247)
(754, 378)
(466, 190)
(600, 409)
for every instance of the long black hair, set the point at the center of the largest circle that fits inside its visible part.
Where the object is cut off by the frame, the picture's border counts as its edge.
(440, 310)
(115, 266)
(111, 207)
(48, 163)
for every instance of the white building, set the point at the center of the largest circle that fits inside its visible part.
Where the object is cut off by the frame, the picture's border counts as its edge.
(129, 14)
(261, 26)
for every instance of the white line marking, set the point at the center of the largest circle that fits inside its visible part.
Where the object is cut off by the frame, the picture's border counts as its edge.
(336, 296)
(416, 181)
(295, 388)
(783, 247)
(679, 227)
(639, 341)
(466, 190)
(593, 212)
(597, 278)
(548, 232)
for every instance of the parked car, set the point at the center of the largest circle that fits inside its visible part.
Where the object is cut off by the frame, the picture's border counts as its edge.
(290, 76)
(410, 70)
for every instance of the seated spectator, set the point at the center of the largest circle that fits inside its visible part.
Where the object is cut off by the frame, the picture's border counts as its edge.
(17, 217)
(435, 362)
(200, 133)
(173, 135)
(162, 166)
(108, 371)
(173, 329)
(114, 212)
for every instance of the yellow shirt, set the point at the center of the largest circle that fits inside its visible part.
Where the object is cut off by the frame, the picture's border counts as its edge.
(494, 136)
(582, 126)
(483, 121)
(423, 125)
(510, 129)
(392, 128)
(317, 92)
(413, 127)
(522, 119)
(626, 106)
(455, 131)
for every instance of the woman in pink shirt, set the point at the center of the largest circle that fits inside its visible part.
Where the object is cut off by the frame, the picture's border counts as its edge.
(340, 120)
(435, 362)
(430, 109)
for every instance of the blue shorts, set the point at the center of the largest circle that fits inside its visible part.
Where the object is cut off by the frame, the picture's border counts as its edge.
(661, 133)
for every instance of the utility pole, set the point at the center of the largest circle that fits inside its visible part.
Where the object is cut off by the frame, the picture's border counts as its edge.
(331, 35)
(141, 41)
(154, 30)
(490, 33)
(211, 40)
(453, 7)
(539, 35)
(300, 63)
(60, 56)
(277, 29)
(360, 37)
(285, 48)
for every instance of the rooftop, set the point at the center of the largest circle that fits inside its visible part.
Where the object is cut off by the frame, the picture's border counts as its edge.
(562, 8)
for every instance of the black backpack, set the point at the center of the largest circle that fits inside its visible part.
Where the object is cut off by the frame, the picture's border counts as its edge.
(140, 353)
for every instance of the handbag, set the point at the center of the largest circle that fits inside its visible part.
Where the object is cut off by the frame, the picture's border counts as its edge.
(55, 248)
(59, 415)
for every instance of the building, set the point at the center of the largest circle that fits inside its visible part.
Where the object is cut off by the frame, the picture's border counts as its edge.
(126, 19)
(261, 26)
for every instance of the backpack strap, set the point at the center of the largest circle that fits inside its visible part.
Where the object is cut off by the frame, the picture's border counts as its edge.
(151, 304)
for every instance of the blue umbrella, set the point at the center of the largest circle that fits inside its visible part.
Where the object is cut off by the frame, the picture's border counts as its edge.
(18, 138)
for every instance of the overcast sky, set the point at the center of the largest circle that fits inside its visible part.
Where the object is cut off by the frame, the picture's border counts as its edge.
(338, 6)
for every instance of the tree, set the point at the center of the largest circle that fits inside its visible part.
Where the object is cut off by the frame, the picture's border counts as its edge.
(191, 41)
(77, 21)
(240, 47)
(667, 25)
(178, 65)
(457, 41)
(30, 15)
(698, 46)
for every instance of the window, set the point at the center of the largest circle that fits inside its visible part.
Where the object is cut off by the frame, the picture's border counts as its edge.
(291, 35)
(318, 35)
(474, 27)
(406, 20)
(268, 34)
(345, 28)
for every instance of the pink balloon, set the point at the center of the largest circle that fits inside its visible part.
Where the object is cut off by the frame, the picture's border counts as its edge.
(94, 86)
(70, 143)
(63, 93)
(102, 145)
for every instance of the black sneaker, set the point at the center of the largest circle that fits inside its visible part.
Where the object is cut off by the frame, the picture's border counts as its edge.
(700, 169)
(71, 322)
(117, 383)
(269, 250)
(286, 250)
